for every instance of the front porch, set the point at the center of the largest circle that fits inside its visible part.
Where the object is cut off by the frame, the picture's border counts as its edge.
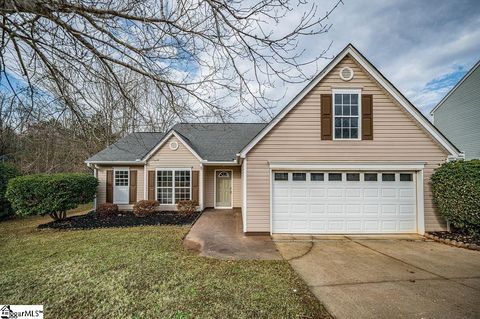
(218, 233)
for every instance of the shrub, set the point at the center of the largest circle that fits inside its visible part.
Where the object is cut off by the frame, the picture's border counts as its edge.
(7, 172)
(107, 210)
(145, 208)
(456, 192)
(187, 207)
(53, 194)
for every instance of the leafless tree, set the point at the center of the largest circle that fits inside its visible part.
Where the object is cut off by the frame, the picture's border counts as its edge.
(199, 57)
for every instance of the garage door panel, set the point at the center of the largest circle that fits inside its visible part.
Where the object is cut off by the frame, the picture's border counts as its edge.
(343, 206)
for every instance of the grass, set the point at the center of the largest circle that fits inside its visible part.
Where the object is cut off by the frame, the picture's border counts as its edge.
(140, 272)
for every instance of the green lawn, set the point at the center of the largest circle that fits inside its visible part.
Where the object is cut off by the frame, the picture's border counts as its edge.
(140, 272)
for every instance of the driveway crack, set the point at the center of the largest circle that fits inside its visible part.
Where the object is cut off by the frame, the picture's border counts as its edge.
(304, 254)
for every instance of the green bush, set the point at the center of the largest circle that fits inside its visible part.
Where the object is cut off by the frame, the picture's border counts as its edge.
(7, 171)
(50, 194)
(456, 192)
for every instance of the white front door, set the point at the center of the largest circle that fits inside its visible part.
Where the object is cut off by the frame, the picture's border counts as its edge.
(344, 202)
(223, 191)
(121, 186)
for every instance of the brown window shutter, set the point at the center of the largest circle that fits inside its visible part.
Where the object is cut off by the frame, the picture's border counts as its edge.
(132, 187)
(367, 117)
(326, 116)
(109, 186)
(195, 186)
(151, 185)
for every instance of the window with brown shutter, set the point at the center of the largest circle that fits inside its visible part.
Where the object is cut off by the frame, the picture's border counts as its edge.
(109, 186)
(367, 117)
(326, 116)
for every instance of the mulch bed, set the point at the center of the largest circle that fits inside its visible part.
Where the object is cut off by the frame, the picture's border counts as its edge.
(455, 238)
(123, 219)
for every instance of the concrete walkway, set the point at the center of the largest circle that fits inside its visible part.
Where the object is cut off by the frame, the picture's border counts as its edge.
(218, 234)
(387, 277)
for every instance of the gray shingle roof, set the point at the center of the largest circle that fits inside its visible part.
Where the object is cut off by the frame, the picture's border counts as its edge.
(212, 142)
(218, 142)
(129, 148)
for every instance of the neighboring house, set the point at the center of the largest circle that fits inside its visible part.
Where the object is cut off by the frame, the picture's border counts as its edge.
(349, 154)
(458, 114)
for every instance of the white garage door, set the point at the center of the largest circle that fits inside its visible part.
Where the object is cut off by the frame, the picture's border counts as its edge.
(343, 202)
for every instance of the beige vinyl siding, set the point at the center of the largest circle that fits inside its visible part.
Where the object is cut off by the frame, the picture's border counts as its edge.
(102, 187)
(296, 138)
(209, 185)
(180, 158)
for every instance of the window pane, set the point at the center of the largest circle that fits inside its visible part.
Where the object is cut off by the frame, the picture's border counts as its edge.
(404, 177)
(345, 122)
(388, 177)
(338, 99)
(370, 177)
(338, 109)
(354, 133)
(121, 178)
(346, 109)
(354, 122)
(354, 98)
(354, 109)
(346, 98)
(299, 176)
(353, 177)
(334, 176)
(281, 176)
(345, 133)
(316, 177)
(338, 122)
(338, 133)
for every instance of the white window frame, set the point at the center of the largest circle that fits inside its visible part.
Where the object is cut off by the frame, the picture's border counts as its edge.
(348, 91)
(173, 170)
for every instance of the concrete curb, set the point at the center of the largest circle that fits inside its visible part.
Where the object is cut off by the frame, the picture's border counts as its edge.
(453, 242)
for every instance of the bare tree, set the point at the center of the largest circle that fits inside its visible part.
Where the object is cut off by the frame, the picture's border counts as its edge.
(203, 57)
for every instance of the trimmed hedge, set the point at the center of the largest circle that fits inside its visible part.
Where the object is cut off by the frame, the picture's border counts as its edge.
(107, 210)
(456, 192)
(50, 194)
(7, 171)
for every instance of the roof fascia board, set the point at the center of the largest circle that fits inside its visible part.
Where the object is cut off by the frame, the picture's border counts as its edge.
(164, 140)
(455, 87)
(116, 162)
(389, 166)
(378, 77)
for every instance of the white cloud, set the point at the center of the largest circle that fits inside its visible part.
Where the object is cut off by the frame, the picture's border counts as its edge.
(411, 42)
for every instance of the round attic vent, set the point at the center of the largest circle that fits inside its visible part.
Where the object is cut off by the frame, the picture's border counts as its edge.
(346, 74)
(173, 145)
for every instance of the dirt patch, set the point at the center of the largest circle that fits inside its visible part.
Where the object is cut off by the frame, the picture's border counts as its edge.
(123, 219)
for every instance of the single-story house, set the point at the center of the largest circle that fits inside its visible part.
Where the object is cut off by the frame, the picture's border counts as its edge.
(349, 154)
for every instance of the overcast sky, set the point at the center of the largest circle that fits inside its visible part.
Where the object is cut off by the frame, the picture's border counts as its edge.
(422, 47)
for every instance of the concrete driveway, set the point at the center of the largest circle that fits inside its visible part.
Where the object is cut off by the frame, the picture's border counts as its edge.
(388, 277)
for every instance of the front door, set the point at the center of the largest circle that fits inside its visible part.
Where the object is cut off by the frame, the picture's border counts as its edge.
(120, 189)
(223, 192)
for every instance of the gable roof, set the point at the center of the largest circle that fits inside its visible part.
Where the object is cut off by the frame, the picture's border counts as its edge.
(455, 87)
(208, 142)
(218, 142)
(131, 148)
(387, 85)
